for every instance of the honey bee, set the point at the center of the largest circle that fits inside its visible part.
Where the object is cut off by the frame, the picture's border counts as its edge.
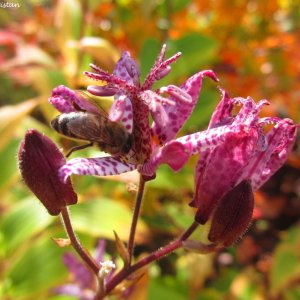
(110, 136)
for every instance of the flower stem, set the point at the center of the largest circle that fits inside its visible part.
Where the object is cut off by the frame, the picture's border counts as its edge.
(136, 213)
(158, 254)
(86, 257)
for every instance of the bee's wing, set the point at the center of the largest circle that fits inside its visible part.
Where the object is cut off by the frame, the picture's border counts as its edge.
(92, 101)
(95, 128)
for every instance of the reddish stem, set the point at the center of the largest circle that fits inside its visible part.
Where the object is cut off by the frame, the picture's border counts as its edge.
(136, 213)
(86, 257)
(160, 253)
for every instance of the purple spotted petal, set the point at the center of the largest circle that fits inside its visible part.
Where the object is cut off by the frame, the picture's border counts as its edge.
(248, 114)
(280, 141)
(181, 111)
(222, 113)
(121, 111)
(223, 169)
(102, 91)
(182, 148)
(202, 141)
(174, 154)
(126, 67)
(160, 69)
(66, 100)
(95, 166)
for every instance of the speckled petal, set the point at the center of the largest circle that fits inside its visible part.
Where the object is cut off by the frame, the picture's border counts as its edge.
(222, 113)
(201, 141)
(248, 114)
(95, 166)
(126, 67)
(224, 168)
(160, 69)
(66, 100)
(121, 111)
(174, 154)
(102, 91)
(181, 111)
(280, 141)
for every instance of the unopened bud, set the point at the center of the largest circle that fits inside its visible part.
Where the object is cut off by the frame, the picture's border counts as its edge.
(232, 215)
(39, 162)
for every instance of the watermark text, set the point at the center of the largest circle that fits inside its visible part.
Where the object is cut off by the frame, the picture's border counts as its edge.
(9, 5)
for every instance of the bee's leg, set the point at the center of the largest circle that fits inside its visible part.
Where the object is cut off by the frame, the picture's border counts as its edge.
(79, 148)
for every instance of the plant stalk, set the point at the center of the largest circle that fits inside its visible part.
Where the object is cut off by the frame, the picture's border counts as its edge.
(136, 213)
(86, 257)
(158, 254)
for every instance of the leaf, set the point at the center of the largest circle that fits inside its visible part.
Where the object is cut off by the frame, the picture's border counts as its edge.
(148, 54)
(286, 261)
(25, 220)
(68, 22)
(101, 50)
(99, 217)
(9, 170)
(38, 269)
(10, 118)
(197, 51)
(29, 55)
(60, 242)
(122, 250)
(166, 288)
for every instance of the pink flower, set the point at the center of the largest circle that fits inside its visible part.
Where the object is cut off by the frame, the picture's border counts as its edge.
(246, 153)
(134, 102)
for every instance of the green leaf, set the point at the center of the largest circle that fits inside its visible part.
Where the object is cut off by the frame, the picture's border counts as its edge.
(38, 269)
(10, 117)
(166, 288)
(197, 51)
(99, 217)
(286, 262)
(26, 219)
(148, 54)
(8, 163)
(292, 294)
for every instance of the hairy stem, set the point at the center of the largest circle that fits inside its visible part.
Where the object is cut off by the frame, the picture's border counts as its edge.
(136, 213)
(158, 254)
(86, 257)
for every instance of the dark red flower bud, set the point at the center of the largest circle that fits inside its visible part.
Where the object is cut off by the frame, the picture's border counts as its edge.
(233, 215)
(39, 162)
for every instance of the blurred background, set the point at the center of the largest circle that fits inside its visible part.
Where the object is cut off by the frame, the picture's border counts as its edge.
(253, 46)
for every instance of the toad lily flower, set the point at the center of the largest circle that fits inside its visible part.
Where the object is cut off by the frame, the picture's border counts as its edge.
(134, 102)
(227, 173)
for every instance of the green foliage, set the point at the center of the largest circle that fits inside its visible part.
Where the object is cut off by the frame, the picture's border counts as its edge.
(97, 217)
(286, 265)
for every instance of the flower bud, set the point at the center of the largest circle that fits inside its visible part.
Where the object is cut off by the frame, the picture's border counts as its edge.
(232, 215)
(39, 162)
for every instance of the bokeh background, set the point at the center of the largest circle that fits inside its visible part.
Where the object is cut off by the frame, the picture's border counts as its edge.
(253, 46)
